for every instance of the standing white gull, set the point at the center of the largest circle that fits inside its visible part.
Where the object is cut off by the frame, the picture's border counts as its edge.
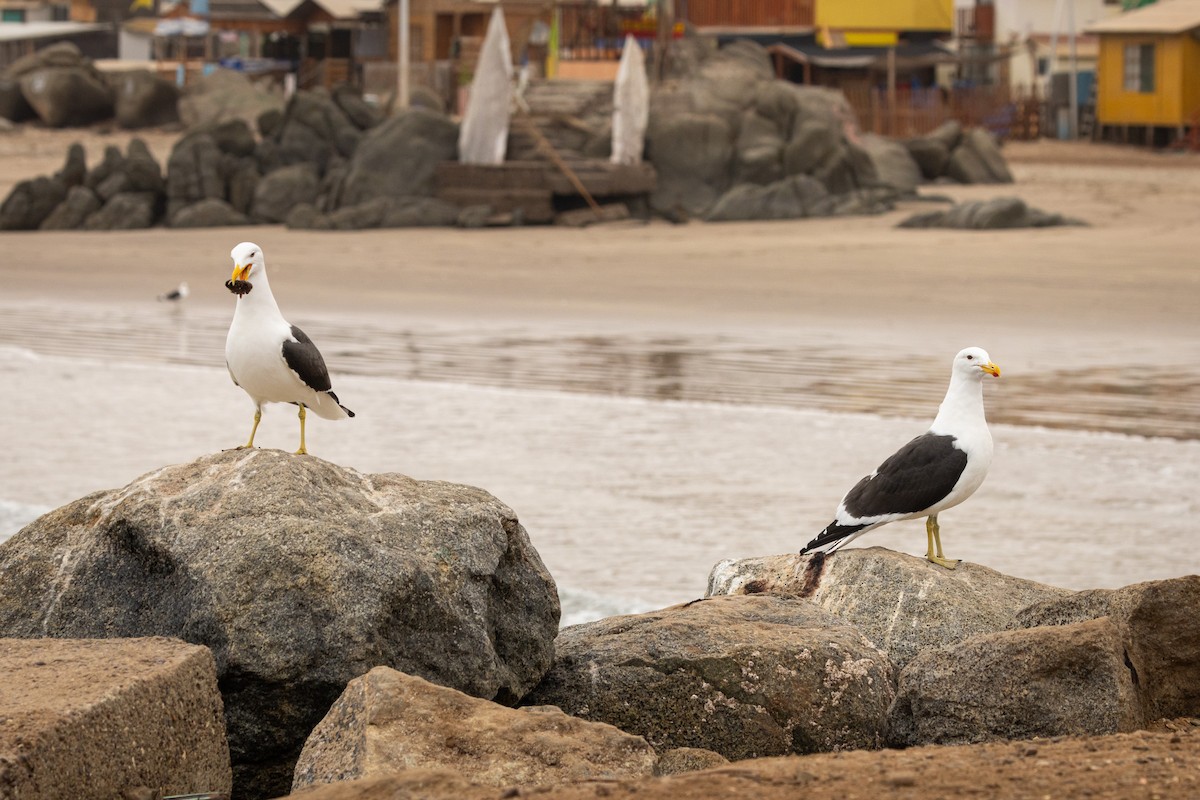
(937, 470)
(272, 360)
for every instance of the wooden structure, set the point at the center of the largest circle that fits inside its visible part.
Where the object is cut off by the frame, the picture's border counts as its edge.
(717, 16)
(1148, 76)
(538, 190)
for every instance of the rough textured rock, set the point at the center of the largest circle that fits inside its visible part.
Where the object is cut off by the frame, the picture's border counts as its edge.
(70, 214)
(94, 718)
(300, 576)
(949, 135)
(234, 137)
(1001, 213)
(142, 99)
(398, 158)
(791, 198)
(742, 676)
(64, 96)
(893, 163)
(111, 162)
(420, 212)
(931, 156)
(307, 217)
(814, 143)
(359, 111)
(759, 150)
(30, 202)
(126, 211)
(901, 603)
(367, 214)
(74, 169)
(688, 759)
(223, 95)
(1047, 681)
(142, 169)
(978, 160)
(277, 193)
(210, 213)
(387, 721)
(1160, 628)
(59, 54)
(314, 129)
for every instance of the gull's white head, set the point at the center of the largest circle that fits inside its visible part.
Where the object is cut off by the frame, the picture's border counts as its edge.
(248, 261)
(973, 362)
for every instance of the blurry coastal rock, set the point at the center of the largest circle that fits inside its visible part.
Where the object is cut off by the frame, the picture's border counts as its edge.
(741, 676)
(949, 152)
(30, 202)
(62, 86)
(387, 722)
(902, 603)
(97, 718)
(224, 95)
(300, 576)
(143, 99)
(983, 215)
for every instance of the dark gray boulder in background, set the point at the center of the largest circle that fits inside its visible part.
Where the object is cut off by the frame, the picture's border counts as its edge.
(30, 202)
(978, 160)
(1002, 213)
(277, 193)
(66, 96)
(126, 211)
(299, 575)
(80, 203)
(398, 158)
(208, 213)
(193, 172)
(13, 105)
(791, 198)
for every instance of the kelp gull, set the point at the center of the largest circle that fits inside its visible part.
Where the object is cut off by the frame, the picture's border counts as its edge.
(272, 360)
(937, 470)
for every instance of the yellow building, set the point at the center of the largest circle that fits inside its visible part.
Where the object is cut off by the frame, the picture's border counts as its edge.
(1148, 73)
(879, 23)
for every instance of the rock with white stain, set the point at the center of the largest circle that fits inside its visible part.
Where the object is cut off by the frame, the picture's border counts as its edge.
(901, 603)
(742, 676)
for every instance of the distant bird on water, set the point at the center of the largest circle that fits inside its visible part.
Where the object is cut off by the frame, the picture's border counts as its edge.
(180, 292)
(937, 470)
(272, 360)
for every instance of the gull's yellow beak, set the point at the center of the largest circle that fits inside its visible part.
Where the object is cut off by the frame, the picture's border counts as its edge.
(240, 273)
(990, 369)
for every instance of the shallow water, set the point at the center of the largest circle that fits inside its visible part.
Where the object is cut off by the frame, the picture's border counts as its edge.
(629, 498)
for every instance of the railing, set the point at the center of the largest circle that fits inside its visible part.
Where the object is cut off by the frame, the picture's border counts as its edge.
(1008, 113)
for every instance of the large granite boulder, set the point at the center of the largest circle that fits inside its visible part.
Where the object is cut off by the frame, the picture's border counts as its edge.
(143, 99)
(1047, 681)
(13, 105)
(79, 204)
(901, 603)
(357, 110)
(30, 202)
(759, 150)
(398, 158)
(742, 676)
(277, 193)
(1160, 628)
(1001, 213)
(314, 129)
(930, 155)
(64, 54)
(387, 722)
(210, 213)
(299, 575)
(977, 159)
(110, 718)
(74, 169)
(64, 96)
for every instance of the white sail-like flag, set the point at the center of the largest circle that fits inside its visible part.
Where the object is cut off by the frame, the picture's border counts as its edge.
(631, 105)
(483, 137)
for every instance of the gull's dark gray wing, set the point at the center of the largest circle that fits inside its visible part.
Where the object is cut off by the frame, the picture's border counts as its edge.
(304, 359)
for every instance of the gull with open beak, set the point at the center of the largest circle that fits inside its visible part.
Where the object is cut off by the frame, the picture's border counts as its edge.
(272, 360)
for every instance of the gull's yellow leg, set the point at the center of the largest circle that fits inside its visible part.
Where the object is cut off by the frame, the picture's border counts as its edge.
(933, 552)
(257, 419)
(303, 450)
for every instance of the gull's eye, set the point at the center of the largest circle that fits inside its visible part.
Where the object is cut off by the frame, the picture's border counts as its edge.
(970, 358)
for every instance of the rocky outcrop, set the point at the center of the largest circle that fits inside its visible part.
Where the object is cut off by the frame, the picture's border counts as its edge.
(742, 676)
(1045, 681)
(30, 202)
(397, 159)
(79, 204)
(276, 194)
(13, 105)
(988, 215)
(124, 211)
(100, 718)
(300, 576)
(60, 86)
(224, 95)
(903, 604)
(977, 159)
(210, 213)
(387, 722)
(1159, 630)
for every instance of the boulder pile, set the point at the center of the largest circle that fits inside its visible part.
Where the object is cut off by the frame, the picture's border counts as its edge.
(727, 140)
(62, 88)
(379, 629)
